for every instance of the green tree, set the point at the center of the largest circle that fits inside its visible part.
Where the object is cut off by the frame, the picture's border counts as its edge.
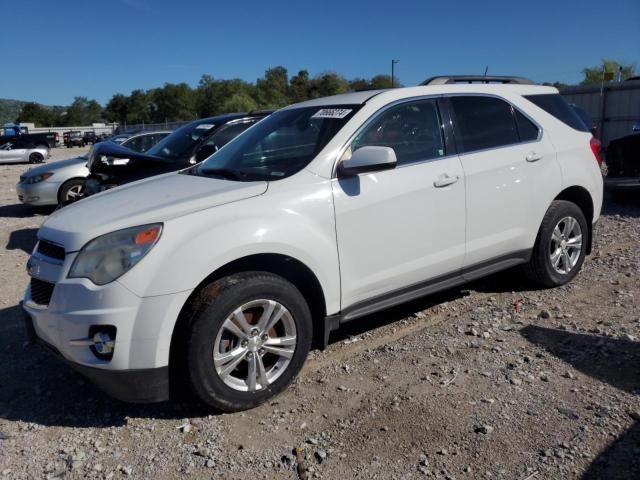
(171, 103)
(329, 83)
(138, 107)
(83, 112)
(300, 87)
(239, 102)
(593, 75)
(35, 113)
(116, 109)
(272, 90)
(384, 81)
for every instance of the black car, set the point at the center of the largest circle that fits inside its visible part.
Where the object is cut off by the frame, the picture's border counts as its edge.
(111, 165)
(623, 167)
(73, 139)
(89, 137)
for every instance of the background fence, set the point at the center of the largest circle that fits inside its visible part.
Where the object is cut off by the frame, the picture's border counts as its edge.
(615, 107)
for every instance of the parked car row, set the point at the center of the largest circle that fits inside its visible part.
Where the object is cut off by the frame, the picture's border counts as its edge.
(254, 243)
(63, 181)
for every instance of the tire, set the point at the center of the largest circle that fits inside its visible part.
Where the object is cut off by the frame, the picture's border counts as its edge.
(248, 291)
(550, 248)
(36, 157)
(71, 190)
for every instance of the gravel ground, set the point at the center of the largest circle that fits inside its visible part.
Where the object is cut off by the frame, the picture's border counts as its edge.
(490, 381)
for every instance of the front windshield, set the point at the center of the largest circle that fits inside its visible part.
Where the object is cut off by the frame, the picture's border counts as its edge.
(181, 141)
(278, 146)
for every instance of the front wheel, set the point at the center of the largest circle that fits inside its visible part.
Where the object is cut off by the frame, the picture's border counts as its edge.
(560, 247)
(247, 341)
(71, 191)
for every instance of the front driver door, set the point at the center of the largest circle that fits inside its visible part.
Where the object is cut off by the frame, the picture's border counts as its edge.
(400, 228)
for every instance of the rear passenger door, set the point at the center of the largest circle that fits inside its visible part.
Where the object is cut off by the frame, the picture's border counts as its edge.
(510, 172)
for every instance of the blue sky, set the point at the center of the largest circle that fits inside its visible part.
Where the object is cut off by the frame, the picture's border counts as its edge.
(96, 49)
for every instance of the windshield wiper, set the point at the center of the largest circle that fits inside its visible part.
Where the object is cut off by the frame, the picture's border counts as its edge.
(223, 172)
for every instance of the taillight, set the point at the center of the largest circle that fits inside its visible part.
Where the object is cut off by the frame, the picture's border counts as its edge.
(595, 145)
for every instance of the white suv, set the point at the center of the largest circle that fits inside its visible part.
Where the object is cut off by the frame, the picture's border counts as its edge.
(221, 275)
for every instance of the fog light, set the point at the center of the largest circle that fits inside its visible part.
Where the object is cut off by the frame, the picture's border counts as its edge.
(101, 341)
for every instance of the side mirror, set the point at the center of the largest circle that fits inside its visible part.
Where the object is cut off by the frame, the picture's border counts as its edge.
(368, 159)
(206, 151)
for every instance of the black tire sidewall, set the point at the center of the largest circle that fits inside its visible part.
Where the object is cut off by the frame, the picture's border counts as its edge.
(64, 189)
(35, 157)
(561, 210)
(208, 320)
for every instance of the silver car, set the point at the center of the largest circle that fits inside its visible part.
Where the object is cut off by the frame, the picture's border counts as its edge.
(53, 183)
(63, 180)
(17, 152)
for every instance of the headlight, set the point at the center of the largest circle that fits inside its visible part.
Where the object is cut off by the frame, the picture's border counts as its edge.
(38, 178)
(106, 258)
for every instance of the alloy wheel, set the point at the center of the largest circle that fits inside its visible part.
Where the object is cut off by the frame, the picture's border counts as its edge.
(255, 345)
(566, 245)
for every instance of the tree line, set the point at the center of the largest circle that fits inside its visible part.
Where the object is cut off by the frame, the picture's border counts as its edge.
(179, 101)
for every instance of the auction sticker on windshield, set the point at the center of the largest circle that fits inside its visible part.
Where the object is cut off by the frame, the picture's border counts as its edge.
(331, 113)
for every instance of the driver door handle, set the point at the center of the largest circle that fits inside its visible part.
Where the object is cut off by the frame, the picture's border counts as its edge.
(445, 180)
(533, 157)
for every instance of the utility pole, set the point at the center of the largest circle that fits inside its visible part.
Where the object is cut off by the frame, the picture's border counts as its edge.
(393, 64)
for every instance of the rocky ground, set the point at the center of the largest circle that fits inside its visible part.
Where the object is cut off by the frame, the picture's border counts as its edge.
(490, 381)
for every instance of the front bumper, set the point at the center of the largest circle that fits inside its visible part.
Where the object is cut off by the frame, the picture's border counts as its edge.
(38, 194)
(134, 386)
(622, 184)
(138, 369)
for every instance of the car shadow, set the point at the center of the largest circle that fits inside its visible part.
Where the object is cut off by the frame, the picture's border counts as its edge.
(24, 239)
(624, 205)
(38, 388)
(20, 210)
(609, 360)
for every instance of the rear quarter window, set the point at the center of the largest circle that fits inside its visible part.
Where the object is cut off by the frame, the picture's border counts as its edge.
(555, 105)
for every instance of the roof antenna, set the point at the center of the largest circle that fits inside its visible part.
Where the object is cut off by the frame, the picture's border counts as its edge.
(486, 69)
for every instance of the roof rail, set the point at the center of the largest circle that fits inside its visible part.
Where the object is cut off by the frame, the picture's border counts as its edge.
(267, 111)
(450, 79)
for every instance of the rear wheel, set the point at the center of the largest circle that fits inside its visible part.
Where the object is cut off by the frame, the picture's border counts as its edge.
(560, 247)
(247, 341)
(71, 190)
(36, 157)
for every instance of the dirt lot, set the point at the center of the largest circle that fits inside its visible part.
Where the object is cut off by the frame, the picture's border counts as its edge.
(491, 381)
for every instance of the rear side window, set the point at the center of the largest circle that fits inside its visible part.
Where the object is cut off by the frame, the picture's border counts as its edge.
(557, 106)
(483, 122)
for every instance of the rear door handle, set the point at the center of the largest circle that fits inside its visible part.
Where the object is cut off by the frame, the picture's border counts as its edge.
(444, 180)
(533, 157)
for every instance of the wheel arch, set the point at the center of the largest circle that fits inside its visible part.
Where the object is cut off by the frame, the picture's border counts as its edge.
(291, 269)
(582, 198)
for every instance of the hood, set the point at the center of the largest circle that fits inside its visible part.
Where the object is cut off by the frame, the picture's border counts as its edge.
(156, 199)
(53, 166)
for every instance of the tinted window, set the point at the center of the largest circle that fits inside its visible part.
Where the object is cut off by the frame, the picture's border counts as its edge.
(483, 122)
(413, 130)
(527, 130)
(557, 106)
(227, 133)
(182, 141)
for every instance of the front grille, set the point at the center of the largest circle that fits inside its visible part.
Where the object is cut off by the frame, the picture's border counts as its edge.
(41, 291)
(50, 250)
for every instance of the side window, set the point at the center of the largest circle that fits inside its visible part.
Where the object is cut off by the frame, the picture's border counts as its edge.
(228, 133)
(134, 143)
(527, 130)
(483, 122)
(413, 130)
